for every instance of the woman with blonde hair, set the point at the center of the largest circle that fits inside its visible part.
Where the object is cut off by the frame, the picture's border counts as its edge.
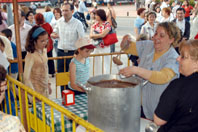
(177, 108)
(157, 64)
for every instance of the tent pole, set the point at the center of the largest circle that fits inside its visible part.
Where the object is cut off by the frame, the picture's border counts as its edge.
(18, 45)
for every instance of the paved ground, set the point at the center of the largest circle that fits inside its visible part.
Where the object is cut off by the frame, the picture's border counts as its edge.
(121, 10)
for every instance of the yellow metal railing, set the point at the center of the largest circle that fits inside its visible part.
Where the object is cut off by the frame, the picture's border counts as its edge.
(92, 57)
(32, 119)
(35, 123)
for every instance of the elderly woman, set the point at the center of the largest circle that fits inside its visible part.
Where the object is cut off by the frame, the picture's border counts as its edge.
(166, 15)
(157, 64)
(150, 26)
(98, 31)
(177, 108)
(8, 123)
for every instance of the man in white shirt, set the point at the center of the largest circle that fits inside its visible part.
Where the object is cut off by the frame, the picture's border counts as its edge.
(183, 25)
(68, 29)
(24, 29)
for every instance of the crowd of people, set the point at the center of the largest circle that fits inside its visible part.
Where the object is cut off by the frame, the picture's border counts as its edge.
(168, 60)
(165, 11)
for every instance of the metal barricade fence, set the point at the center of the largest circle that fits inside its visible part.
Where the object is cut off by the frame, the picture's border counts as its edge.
(92, 58)
(35, 123)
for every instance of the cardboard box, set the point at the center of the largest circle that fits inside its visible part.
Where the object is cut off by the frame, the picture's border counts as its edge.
(68, 97)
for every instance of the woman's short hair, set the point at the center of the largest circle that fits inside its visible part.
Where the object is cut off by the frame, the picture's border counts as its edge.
(142, 37)
(2, 74)
(7, 32)
(151, 13)
(167, 10)
(27, 15)
(31, 41)
(140, 10)
(39, 18)
(192, 48)
(101, 13)
(172, 30)
(57, 10)
(47, 8)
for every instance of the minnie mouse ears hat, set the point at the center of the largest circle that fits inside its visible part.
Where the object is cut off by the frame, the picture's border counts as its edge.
(84, 42)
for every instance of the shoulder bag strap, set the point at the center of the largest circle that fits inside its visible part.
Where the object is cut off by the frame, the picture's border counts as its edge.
(110, 12)
(110, 25)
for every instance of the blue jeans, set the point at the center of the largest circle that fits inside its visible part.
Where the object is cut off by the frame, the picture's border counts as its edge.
(60, 63)
(112, 48)
(187, 19)
(7, 103)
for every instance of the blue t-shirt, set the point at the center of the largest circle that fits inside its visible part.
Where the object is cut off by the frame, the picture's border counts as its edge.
(48, 16)
(14, 66)
(138, 23)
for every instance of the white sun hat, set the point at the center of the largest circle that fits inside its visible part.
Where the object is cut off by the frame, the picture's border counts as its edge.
(84, 42)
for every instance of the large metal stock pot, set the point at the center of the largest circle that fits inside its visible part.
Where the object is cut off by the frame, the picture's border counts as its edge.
(114, 109)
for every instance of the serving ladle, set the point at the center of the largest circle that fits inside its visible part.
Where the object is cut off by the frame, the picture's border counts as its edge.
(125, 42)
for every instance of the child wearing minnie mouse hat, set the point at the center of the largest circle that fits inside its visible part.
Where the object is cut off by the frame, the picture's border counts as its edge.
(79, 66)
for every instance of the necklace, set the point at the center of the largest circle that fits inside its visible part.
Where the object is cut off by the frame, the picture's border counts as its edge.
(39, 51)
(41, 56)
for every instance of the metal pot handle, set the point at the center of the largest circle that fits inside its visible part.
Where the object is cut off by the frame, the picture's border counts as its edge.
(151, 127)
(87, 89)
(144, 82)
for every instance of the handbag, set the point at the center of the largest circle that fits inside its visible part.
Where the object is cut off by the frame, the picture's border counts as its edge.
(113, 21)
(109, 39)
